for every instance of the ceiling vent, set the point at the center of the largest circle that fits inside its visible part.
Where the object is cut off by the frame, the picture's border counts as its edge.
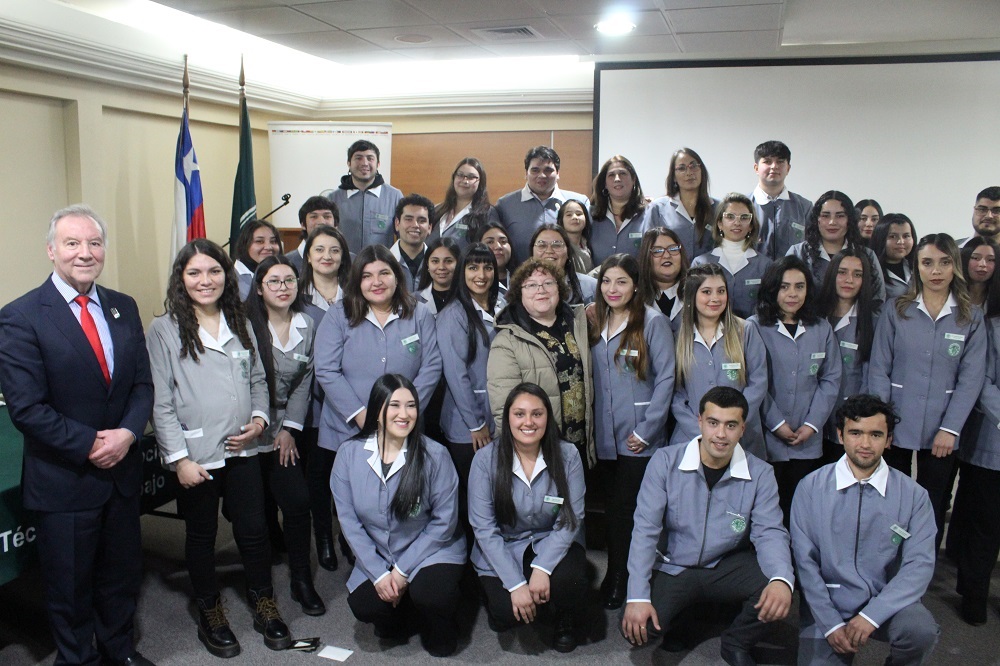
(513, 33)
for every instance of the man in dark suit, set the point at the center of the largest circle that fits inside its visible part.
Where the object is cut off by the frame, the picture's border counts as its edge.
(75, 374)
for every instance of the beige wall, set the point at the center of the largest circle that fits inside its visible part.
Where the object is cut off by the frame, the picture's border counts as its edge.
(65, 140)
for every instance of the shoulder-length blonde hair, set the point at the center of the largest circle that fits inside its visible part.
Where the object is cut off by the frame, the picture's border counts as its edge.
(732, 326)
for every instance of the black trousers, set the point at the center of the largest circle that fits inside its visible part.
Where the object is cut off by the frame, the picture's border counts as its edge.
(979, 499)
(319, 465)
(567, 586)
(620, 481)
(933, 474)
(737, 577)
(788, 474)
(431, 599)
(239, 485)
(462, 455)
(92, 561)
(290, 491)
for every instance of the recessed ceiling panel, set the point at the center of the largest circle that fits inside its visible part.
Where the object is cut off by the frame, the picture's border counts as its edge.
(463, 11)
(357, 14)
(726, 19)
(266, 21)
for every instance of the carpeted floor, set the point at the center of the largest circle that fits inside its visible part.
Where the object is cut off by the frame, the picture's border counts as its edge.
(167, 633)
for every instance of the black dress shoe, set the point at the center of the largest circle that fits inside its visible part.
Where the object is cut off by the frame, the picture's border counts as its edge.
(305, 594)
(213, 628)
(135, 660)
(565, 638)
(736, 656)
(613, 589)
(325, 553)
(267, 620)
(345, 549)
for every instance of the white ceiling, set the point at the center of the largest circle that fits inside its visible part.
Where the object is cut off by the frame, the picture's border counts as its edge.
(362, 32)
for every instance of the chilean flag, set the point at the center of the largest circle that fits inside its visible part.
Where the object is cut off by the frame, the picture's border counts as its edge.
(189, 206)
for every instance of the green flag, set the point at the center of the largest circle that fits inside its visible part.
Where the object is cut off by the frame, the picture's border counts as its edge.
(244, 199)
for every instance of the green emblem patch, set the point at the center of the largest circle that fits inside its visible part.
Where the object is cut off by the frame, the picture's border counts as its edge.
(245, 367)
(848, 359)
(733, 375)
(814, 368)
(738, 525)
(896, 539)
(415, 511)
(954, 348)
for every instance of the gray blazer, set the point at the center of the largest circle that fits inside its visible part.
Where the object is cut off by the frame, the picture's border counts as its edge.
(984, 449)
(379, 540)
(499, 549)
(742, 285)
(349, 359)
(606, 241)
(803, 379)
(663, 212)
(932, 371)
(466, 405)
(197, 405)
(680, 524)
(293, 378)
(623, 404)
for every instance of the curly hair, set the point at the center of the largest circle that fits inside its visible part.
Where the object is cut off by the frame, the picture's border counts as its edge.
(180, 308)
(813, 240)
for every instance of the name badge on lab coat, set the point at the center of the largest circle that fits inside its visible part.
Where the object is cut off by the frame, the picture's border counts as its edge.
(412, 343)
(555, 501)
(732, 370)
(301, 358)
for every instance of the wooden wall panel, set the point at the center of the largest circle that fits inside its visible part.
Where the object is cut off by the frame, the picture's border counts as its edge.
(423, 163)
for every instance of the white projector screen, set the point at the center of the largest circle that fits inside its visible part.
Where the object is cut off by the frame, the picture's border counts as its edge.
(919, 135)
(310, 157)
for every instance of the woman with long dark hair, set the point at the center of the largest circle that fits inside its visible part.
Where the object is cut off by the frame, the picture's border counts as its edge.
(833, 226)
(716, 348)
(846, 303)
(258, 239)
(869, 214)
(326, 264)
(688, 209)
(209, 411)
(285, 343)
(736, 235)
(979, 261)
(618, 207)
(466, 206)
(526, 506)
(631, 347)
(397, 503)
(663, 264)
(437, 273)
(929, 357)
(894, 244)
(379, 328)
(574, 217)
(465, 328)
(550, 242)
(803, 377)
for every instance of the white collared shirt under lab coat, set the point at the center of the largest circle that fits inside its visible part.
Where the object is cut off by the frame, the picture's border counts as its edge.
(379, 540)
(499, 549)
(742, 281)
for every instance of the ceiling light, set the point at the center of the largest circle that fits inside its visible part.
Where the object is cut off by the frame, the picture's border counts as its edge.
(615, 26)
(412, 39)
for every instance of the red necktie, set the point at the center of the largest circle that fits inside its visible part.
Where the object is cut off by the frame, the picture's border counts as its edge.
(90, 330)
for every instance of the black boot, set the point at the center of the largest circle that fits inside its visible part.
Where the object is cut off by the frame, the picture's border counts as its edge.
(305, 593)
(325, 553)
(345, 549)
(565, 638)
(614, 589)
(213, 628)
(267, 620)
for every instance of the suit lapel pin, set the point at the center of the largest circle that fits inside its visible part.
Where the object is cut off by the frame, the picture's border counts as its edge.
(114, 313)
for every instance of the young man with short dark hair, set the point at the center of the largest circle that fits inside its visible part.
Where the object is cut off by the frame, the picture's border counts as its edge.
(782, 214)
(315, 211)
(365, 200)
(412, 221)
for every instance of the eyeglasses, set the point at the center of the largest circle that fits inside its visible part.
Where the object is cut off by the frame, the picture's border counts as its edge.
(658, 251)
(466, 177)
(690, 166)
(492, 242)
(274, 284)
(983, 210)
(544, 245)
(532, 287)
(732, 217)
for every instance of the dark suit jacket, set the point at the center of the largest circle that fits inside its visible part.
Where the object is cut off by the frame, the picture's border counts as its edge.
(58, 398)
